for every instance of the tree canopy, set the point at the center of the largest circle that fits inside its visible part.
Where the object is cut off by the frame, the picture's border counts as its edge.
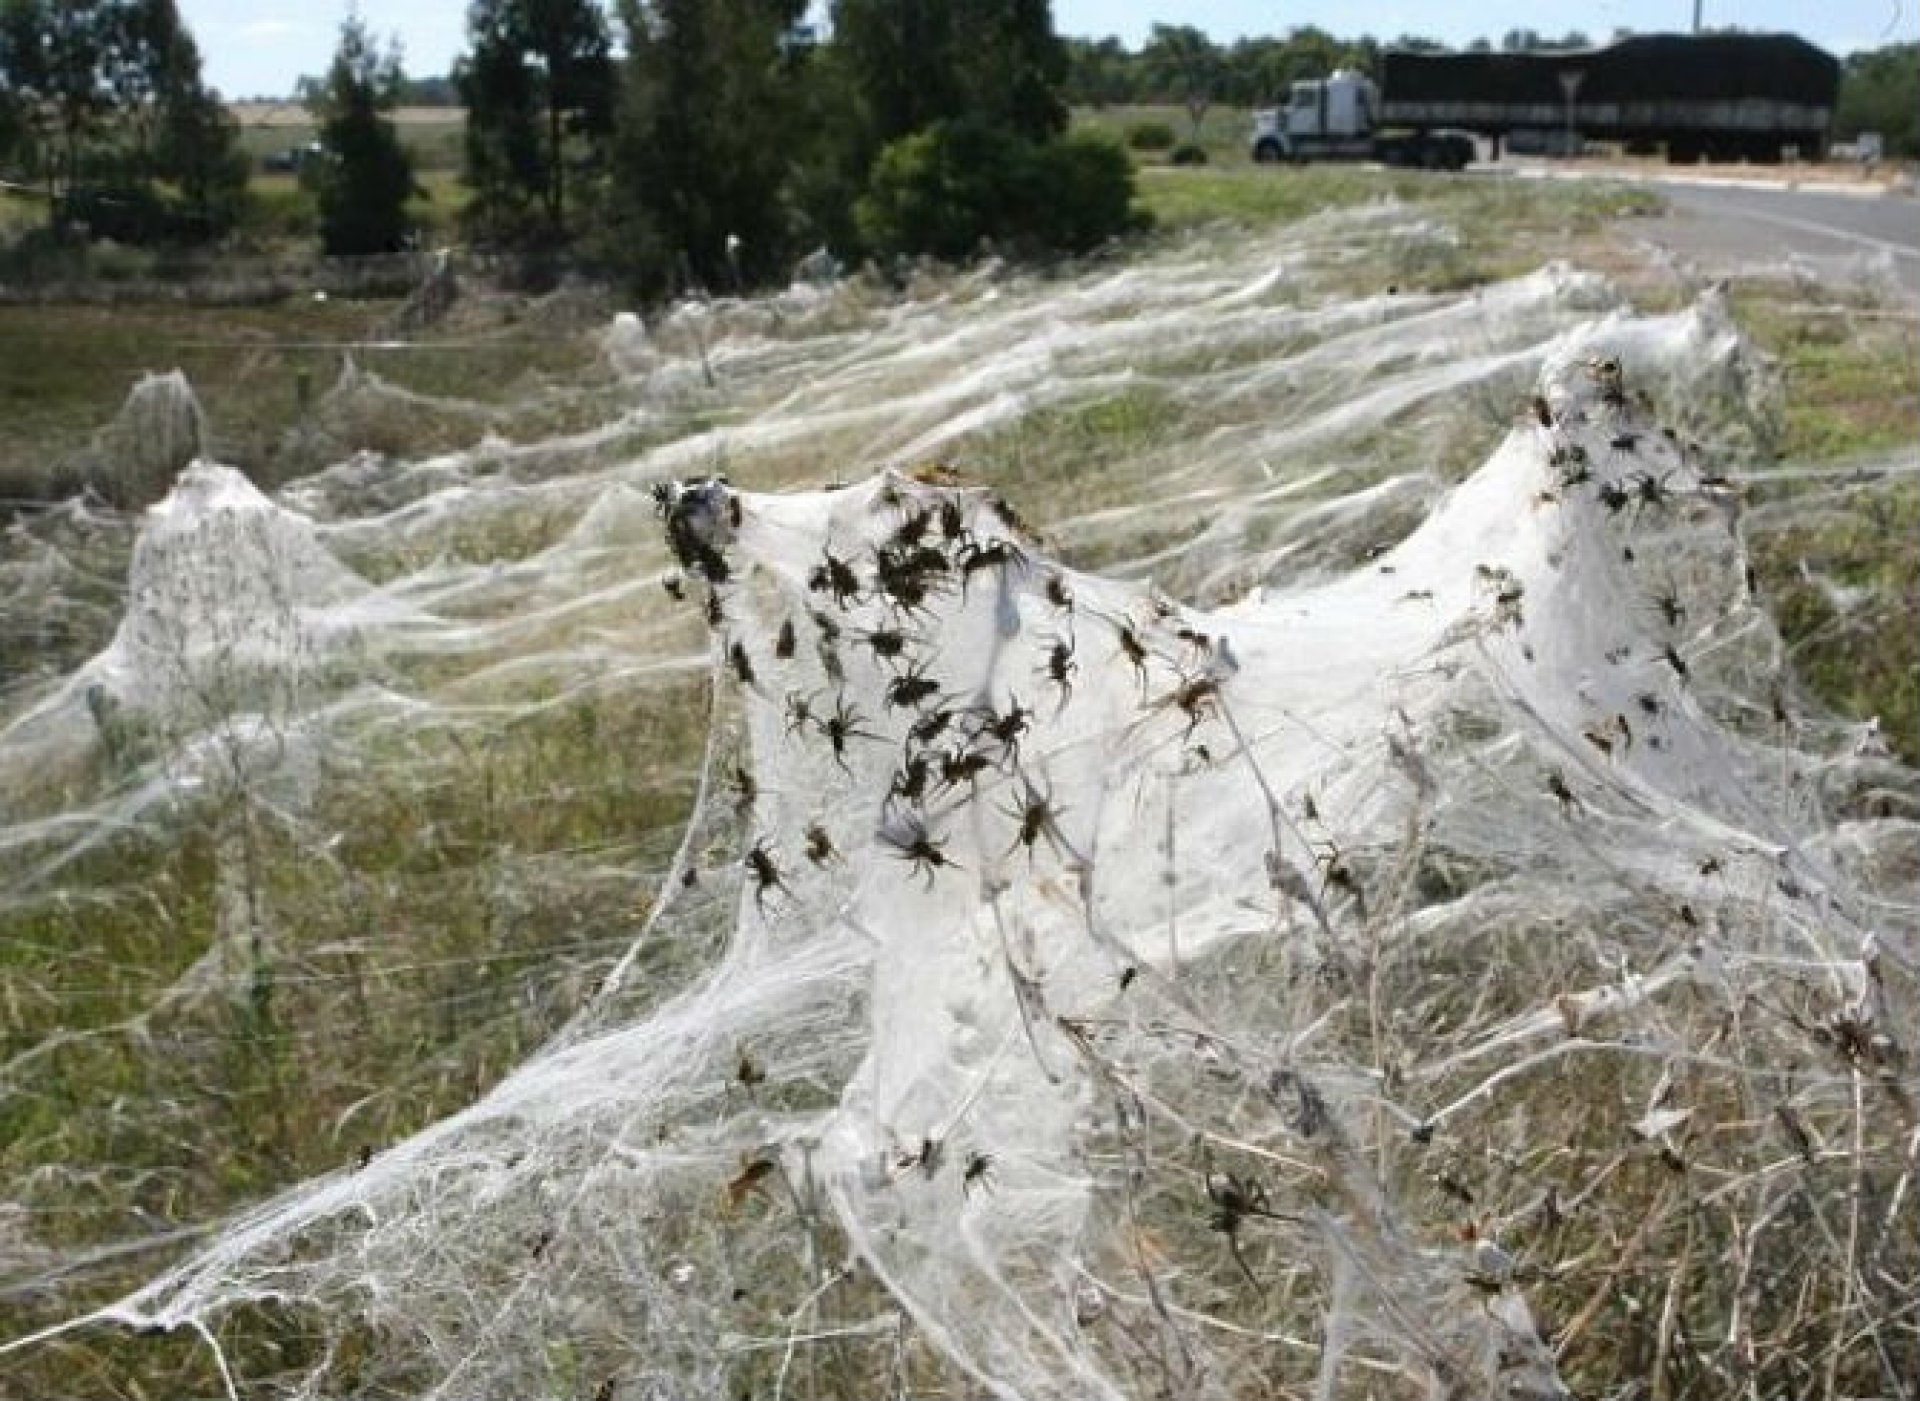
(363, 182)
(538, 90)
(102, 103)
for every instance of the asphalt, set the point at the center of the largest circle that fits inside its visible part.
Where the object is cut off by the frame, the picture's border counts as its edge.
(1842, 230)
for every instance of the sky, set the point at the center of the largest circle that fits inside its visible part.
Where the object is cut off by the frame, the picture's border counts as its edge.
(258, 47)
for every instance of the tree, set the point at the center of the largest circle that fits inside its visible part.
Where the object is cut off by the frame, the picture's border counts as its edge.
(1185, 65)
(702, 151)
(917, 62)
(1880, 91)
(103, 100)
(539, 76)
(363, 183)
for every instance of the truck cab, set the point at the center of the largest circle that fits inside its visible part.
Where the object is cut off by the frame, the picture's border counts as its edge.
(1332, 116)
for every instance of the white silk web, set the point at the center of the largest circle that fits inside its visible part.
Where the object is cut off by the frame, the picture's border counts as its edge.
(1061, 989)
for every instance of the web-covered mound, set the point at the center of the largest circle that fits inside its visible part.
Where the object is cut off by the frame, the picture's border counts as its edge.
(1341, 993)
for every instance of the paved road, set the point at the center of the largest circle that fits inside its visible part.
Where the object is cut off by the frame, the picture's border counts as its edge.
(1727, 226)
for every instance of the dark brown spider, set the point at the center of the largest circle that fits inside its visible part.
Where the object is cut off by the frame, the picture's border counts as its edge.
(1668, 605)
(953, 518)
(930, 726)
(1038, 818)
(1133, 650)
(1058, 594)
(910, 782)
(766, 875)
(1006, 728)
(1671, 656)
(799, 712)
(745, 790)
(907, 834)
(835, 576)
(1234, 1200)
(785, 641)
(1614, 497)
(1650, 490)
(962, 766)
(676, 587)
(1061, 667)
(978, 1172)
(1197, 699)
(820, 846)
(742, 664)
(974, 556)
(913, 529)
(841, 726)
(1557, 786)
(887, 643)
(716, 613)
(910, 688)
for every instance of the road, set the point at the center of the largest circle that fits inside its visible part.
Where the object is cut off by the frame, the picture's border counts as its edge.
(1740, 225)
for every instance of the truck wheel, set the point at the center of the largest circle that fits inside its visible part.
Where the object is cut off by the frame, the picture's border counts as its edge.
(1267, 153)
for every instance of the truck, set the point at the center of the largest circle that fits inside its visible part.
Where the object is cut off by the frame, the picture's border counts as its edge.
(1752, 97)
(1339, 118)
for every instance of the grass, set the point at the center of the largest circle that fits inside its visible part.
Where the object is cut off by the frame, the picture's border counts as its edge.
(338, 1033)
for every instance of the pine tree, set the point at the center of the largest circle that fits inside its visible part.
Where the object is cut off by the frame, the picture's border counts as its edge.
(704, 150)
(366, 178)
(539, 77)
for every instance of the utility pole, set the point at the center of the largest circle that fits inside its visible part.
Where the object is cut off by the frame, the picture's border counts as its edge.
(1696, 16)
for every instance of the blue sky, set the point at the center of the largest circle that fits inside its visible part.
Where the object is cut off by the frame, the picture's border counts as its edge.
(258, 47)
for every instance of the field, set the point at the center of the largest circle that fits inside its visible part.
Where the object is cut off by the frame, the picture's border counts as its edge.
(401, 784)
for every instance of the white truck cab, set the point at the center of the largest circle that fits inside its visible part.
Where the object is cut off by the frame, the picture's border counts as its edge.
(1331, 116)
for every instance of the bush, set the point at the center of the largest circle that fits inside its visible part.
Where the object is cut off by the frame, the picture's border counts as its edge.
(1150, 136)
(1083, 192)
(1187, 154)
(946, 189)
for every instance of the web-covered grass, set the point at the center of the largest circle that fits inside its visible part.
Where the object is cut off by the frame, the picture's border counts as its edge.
(1392, 930)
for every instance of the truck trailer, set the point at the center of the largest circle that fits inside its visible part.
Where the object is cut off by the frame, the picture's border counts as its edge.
(1717, 96)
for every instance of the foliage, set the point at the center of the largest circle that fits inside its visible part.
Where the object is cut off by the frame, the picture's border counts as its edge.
(363, 184)
(102, 103)
(538, 87)
(702, 149)
(1187, 153)
(1880, 91)
(1150, 136)
(1182, 61)
(917, 62)
(950, 188)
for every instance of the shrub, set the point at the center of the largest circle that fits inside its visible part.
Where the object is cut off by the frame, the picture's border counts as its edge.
(945, 189)
(1187, 154)
(1150, 136)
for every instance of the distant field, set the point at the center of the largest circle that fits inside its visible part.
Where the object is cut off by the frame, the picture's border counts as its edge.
(432, 134)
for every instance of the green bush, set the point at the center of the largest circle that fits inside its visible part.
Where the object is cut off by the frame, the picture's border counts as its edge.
(948, 188)
(1188, 154)
(1150, 136)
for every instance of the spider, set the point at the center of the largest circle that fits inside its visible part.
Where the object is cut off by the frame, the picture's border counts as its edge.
(1060, 668)
(835, 576)
(820, 846)
(911, 687)
(1234, 1200)
(978, 1172)
(784, 643)
(766, 875)
(1038, 817)
(742, 664)
(907, 834)
(841, 726)
(1133, 650)
(1557, 786)
(974, 556)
